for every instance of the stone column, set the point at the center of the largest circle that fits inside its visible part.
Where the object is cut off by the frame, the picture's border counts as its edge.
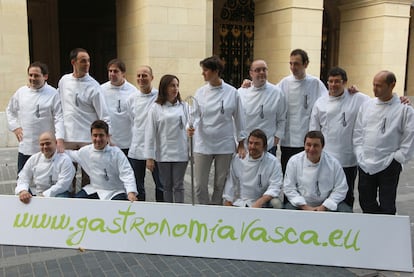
(284, 25)
(410, 60)
(14, 58)
(374, 37)
(170, 36)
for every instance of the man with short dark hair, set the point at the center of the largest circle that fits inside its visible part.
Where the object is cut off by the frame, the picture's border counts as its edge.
(111, 175)
(33, 109)
(383, 141)
(301, 91)
(256, 180)
(82, 102)
(334, 115)
(116, 93)
(314, 180)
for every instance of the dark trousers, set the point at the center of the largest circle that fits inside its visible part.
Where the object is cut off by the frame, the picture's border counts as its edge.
(350, 174)
(21, 160)
(384, 184)
(139, 167)
(288, 152)
(273, 150)
(125, 150)
(82, 194)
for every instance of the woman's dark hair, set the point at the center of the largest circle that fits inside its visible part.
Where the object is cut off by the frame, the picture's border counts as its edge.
(163, 89)
(213, 63)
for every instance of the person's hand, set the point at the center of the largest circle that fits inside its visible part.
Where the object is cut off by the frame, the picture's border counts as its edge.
(190, 131)
(276, 141)
(110, 141)
(60, 145)
(227, 203)
(353, 89)
(25, 196)
(405, 100)
(132, 197)
(151, 164)
(307, 208)
(246, 83)
(321, 208)
(241, 151)
(18, 132)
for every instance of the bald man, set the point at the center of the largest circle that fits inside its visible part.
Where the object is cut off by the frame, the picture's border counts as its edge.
(46, 173)
(264, 106)
(141, 103)
(383, 141)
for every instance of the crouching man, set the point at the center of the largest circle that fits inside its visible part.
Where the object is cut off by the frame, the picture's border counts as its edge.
(46, 173)
(256, 180)
(111, 175)
(314, 180)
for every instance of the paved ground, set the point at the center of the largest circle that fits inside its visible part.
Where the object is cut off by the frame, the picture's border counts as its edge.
(38, 261)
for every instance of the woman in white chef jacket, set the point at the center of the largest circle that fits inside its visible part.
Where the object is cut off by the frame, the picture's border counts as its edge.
(219, 122)
(166, 138)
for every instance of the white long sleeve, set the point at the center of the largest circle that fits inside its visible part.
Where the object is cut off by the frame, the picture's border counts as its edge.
(300, 96)
(383, 131)
(141, 104)
(109, 170)
(35, 111)
(165, 134)
(249, 179)
(218, 117)
(306, 183)
(264, 108)
(82, 104)
(335, 117)
(46, 176)
(116, 99)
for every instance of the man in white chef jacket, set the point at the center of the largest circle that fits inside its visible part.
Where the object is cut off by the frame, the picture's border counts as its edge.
(264, 105)
(383, 141)
(116, 93)
(47, 173)
(33, 109)
(110, 173)
(256, 180)
(315, 180)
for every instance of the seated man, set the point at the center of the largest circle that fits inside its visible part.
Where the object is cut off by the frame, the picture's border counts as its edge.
(50, 173)
(314, 180)
(111, 175)
(256, 180)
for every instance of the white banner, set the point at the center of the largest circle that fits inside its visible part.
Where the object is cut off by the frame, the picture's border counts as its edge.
(321, 238)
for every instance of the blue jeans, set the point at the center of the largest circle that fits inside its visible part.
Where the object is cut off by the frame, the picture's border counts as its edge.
(139, 167)
(21, 160)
